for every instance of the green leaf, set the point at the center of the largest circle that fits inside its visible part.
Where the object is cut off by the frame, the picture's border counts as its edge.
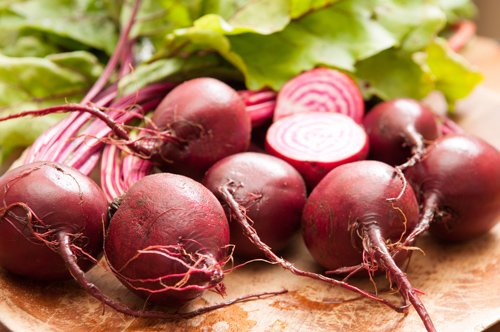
(69, 23)
(262, 16)
(29, 46)
(31, 83)
(301, 7)
(457, 9)
(176, 70)
(412, 22)
(337, 36)
(392, 74)
(156, 18)
(452, 74)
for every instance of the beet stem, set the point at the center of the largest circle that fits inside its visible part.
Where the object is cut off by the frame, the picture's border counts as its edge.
(120, 48)
(251, 234)
(69, 126)
(376, 245)
(117, 128)
(431, 202)
(416, 141)
(77, 273)
(464, 31)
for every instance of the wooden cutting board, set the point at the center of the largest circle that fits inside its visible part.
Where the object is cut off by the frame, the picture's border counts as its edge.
(461, 282)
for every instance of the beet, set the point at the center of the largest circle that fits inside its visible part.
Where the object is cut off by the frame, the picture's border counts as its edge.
(209, 121)
(315, 143)
(355, 215)
(458, 185)
(398, 131)
(168, 240)
(320, 90)
(40, 201)
(270, 190)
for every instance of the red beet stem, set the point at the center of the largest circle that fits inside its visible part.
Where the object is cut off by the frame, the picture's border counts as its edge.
(260, 105)
(70, 261)
(431, 202)
(375, 245)
(448, 126)
(238, 215)
(463, 31)
(43, 146)
(117, 128)
(117, 54)
(117, 177)
(416, 141)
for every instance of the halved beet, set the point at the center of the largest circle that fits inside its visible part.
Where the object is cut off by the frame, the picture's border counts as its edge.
(320, 90)
(315, 143)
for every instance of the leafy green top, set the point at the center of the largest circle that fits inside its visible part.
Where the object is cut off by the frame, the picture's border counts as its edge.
(51, 51)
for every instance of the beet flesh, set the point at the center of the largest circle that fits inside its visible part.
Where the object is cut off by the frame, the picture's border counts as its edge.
(64, 200)
(320, 90)
(270, 190)
(317, 142)
(209, 119)
(397, 128)
(171, 219)
(458, 184)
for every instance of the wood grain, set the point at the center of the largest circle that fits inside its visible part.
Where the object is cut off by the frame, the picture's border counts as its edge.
(461, 282)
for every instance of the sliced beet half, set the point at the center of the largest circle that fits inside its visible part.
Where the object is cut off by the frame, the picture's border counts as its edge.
(315, 143)
(320, 90)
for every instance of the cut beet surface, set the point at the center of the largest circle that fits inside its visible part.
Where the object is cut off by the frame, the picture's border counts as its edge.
(320, 90)
(315, 142)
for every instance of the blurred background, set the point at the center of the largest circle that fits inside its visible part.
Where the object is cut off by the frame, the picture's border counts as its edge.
(487, 20)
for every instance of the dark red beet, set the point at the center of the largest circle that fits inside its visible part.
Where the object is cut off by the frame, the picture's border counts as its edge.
(398, 129)
(270, 190)
(61, 199)
(458, 184)
(209, 118)
(352, 217)
(337, 207)
(166, 224)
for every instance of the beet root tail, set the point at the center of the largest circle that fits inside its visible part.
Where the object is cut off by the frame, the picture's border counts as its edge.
(239, 217)
(77, 273)
(376, 245)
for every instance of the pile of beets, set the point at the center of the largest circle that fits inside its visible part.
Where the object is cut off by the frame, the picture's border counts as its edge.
(194, 172)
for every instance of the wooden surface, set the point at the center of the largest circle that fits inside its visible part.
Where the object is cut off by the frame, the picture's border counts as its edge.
(461, 282)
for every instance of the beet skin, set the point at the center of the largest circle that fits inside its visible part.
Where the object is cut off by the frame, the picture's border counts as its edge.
(165, 223)
(64, 200)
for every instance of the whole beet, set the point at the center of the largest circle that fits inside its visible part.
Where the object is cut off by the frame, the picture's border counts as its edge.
(270, 190)
(168, 239)
(39, 201)
(458, 185)
(355, 215)
(399, 129)
(348, 199)
(209, 120)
